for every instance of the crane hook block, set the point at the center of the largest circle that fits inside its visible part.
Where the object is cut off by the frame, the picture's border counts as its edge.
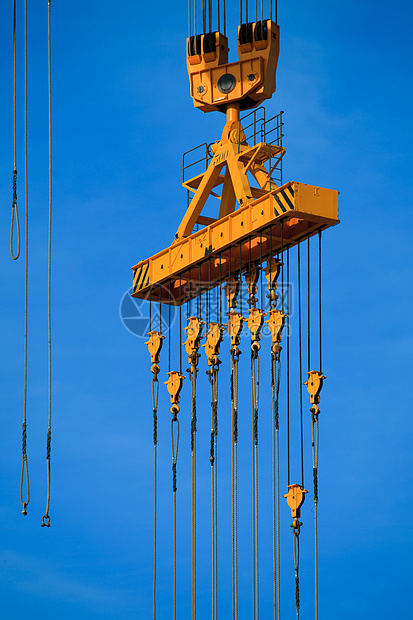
(272, 271)
(213, 342)
(155, 345)
(231, 291)
(275, 325)
(295, 499)
(251, 278)
(314, 385)
(174, 385)
(255, 322)
(193, 338)
(234, 326)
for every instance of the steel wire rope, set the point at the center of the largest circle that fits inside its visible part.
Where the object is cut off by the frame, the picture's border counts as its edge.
(275, 384)
(155, 393)
(46, 517)
(213, 377)
(300, 362)
(255, 370)
(25, 468)
(319, 297)
(234, 467)
(308, 306)
(296, 548)
(193, 495)
(288, 365)
(14, 209)
(180, 325)
(315, 441)
(174, 448)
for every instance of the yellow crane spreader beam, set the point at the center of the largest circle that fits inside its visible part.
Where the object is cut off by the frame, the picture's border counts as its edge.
(281, 218)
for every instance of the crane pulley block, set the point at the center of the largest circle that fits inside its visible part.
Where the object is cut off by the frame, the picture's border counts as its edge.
(215, 83)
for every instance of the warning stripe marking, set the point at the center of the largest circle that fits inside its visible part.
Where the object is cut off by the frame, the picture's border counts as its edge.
(283, 200)
(141, 278)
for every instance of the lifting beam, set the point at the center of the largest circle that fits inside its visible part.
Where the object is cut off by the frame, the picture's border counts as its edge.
(268, 219)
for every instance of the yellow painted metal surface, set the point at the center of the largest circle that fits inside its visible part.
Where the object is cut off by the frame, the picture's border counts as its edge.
(254, 230)
(254, 72)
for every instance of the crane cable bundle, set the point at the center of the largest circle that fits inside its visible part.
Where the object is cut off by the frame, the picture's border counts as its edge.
(15, 226)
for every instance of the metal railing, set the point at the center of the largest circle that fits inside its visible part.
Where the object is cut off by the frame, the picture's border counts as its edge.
(195, 161)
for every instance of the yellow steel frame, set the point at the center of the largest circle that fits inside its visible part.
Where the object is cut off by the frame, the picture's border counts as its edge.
(268, 219)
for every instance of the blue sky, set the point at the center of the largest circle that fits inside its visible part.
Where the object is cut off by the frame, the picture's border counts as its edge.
(122, 119)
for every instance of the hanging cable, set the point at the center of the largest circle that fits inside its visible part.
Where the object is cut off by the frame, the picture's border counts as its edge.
(25, 468)
(308, 306)
(155, 393)
(212, 348)
(275, 324)
(234, 326)
(192, 343)
(46, 517)
(296, 547)
(319, 297)
(255, 370)
(275, 386)
(154, 343)
(234, 478)
(314, 385)
(14, 210)
(255, 322)
(174, 448)
(288, 366)
(174, 385)
(300, 362)
(295, 499)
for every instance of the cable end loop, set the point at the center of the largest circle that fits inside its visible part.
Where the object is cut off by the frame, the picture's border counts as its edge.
(45, 521)
(24, 511)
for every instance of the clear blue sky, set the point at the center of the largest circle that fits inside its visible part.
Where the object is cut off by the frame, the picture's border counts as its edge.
(122, 118)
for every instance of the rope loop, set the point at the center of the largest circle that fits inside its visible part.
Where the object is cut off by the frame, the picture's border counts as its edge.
(14, 214)
(45, 521)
